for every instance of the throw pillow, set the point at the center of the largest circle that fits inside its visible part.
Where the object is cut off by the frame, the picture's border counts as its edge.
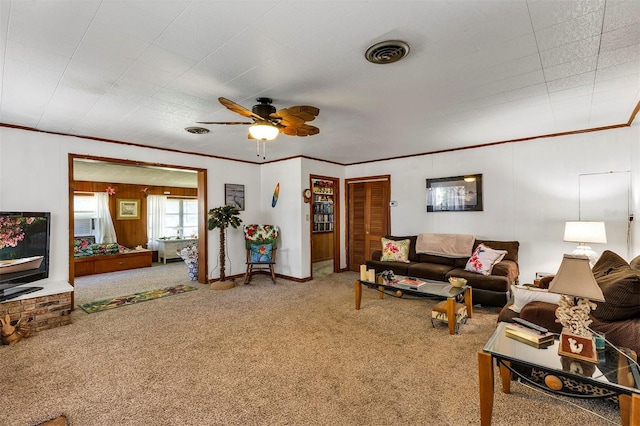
(523, 295)
(483, 259)
(260, 252)
(621, 290)
(395, 250)
(608, 262)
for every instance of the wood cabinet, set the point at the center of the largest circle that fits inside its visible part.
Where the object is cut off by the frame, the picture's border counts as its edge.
(91, 265)
(322, 246)
(168, 249)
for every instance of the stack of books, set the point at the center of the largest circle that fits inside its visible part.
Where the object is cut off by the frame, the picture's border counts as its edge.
(410, 283)
(529, 336)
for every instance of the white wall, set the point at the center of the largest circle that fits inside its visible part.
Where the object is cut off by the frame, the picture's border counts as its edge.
(530, 190)
(34, 176)
(285, 214)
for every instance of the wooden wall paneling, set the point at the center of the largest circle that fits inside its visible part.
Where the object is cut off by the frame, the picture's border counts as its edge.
(131, 232)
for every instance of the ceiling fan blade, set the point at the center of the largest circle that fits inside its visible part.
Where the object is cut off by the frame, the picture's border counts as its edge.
(302, 130)
(224, 122)
(298, 114)
(238, 109)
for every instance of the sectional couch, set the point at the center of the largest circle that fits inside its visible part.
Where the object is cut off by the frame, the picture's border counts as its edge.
(492, 289)
(618, 317)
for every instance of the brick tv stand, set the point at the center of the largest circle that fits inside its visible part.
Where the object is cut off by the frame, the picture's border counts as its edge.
(46, 308)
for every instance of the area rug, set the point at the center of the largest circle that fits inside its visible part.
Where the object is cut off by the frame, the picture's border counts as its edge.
(130, 299)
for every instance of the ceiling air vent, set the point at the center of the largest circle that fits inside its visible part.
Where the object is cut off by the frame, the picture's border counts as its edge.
(387, 52)
(197, 130)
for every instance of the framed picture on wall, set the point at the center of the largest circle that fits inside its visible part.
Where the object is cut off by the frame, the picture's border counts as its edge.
(454, 194)
(127, 209)
(234, 195)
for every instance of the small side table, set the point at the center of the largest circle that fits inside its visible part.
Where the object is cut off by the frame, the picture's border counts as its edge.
(440, 312)
(615, 375)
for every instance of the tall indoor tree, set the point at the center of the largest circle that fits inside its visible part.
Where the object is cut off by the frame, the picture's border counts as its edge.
(221, 218)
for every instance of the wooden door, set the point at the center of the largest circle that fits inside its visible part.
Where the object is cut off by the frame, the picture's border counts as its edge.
(369, 218)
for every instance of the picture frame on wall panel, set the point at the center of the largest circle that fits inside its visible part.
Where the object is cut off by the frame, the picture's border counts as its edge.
(455, 194)
(127, 209)
(234, 195)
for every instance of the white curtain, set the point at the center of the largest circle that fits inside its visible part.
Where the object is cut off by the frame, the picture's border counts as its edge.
(155, 219)
(105, 232)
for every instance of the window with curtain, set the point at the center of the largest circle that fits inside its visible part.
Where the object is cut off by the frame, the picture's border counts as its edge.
(156, 208)
(84, 215)
(105, 232)
(181, 218)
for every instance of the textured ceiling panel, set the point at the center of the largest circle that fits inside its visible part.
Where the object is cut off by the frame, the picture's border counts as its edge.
(477, 71)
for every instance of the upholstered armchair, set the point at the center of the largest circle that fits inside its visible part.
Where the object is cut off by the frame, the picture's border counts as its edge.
(261, 242)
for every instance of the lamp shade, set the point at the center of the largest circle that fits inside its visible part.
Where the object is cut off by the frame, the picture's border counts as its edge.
(263, 131)
(585, 232)
(574, 278)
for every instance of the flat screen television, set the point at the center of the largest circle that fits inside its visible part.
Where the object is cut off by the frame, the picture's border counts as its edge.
(24, 251)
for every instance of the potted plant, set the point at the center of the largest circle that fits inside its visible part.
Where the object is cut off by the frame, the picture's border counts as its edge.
(221, 218)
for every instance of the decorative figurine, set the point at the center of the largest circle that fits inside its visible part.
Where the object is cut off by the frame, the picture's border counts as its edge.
(11, 334)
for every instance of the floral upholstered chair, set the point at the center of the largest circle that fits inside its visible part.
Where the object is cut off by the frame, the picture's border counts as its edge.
(261, 242)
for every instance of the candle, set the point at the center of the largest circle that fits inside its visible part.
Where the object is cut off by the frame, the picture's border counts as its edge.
(372, 275)
(363, 272)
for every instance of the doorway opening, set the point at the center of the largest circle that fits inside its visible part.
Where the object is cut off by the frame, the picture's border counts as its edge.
(325, 225)
(82, 167)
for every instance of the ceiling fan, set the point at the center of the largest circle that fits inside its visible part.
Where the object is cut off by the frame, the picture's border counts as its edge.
(267, 122)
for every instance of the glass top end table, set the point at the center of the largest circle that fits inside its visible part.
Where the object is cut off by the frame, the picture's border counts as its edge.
(615, 374)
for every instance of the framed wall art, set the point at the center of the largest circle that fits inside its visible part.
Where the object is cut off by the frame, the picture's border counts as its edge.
(127, 209)
(455, 194)
(234, 195)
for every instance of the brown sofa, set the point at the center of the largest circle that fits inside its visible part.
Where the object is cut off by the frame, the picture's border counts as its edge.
(493, 289)
(618, 317)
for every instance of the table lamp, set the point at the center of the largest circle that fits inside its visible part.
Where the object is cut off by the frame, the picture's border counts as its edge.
(575, 282)
(585, 232)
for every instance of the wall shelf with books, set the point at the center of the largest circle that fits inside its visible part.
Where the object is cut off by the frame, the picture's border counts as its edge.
(322, 205)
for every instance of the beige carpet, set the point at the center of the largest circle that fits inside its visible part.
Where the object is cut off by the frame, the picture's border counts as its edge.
(322, 269)
(263, 354)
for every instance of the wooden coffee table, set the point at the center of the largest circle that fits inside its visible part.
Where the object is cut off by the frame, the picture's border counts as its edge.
(431, 289)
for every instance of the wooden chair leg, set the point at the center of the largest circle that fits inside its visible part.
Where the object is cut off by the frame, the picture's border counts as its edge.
(247, 274)
(273, 273)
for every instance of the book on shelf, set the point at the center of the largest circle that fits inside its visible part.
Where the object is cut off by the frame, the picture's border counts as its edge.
(529, 336)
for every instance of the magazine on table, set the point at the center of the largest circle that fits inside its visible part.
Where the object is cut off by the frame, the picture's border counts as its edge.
(410, 283)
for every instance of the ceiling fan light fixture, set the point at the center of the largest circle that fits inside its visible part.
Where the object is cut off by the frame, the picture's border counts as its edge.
(263, 131)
